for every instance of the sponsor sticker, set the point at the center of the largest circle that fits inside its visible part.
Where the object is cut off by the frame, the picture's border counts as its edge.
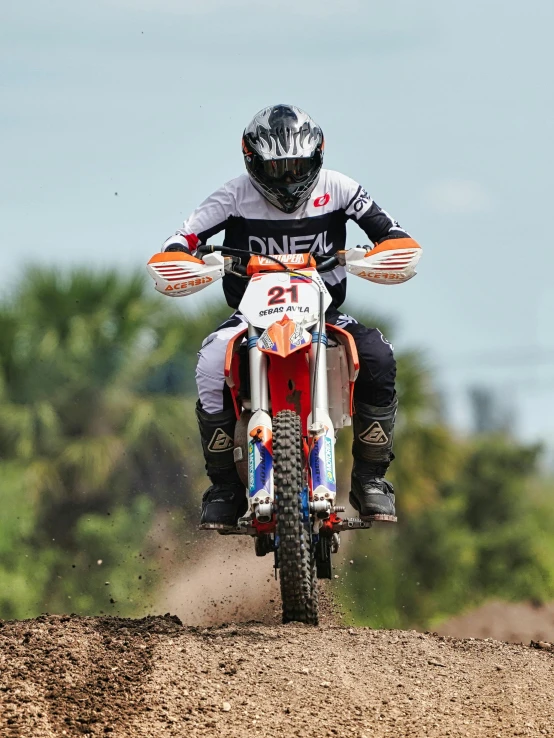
(329, 471)
(297, 338)
(252, 466)
(389, 276)
(189, 283)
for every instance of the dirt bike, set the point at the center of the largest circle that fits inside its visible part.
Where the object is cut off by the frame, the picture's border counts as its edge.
(291, 377)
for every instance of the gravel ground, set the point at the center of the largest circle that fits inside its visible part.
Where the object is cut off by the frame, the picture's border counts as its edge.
(71, 676)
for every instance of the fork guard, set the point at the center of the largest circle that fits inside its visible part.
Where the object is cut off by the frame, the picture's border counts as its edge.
(260, 466)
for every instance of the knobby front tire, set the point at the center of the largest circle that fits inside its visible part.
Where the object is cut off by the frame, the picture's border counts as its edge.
(297, 566)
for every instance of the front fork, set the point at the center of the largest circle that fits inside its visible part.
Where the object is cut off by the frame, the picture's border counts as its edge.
(260, 436)
(321, 431)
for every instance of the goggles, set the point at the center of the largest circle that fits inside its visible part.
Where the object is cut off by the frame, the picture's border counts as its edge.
(287, 171)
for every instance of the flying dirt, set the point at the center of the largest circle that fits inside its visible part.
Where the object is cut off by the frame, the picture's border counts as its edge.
(154, 677)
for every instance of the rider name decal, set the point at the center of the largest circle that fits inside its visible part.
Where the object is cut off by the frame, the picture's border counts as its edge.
(281, 309)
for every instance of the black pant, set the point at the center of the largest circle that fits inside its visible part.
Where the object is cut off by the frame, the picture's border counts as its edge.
(375, 382)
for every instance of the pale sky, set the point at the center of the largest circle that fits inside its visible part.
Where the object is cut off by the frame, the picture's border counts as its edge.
(443, 110)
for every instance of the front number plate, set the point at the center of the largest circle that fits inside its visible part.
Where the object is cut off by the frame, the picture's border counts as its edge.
(269, 297)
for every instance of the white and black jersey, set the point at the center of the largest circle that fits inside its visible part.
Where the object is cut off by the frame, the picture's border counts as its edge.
(253, 224)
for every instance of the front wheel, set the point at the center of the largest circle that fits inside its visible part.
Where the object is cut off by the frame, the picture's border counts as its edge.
(297, 571)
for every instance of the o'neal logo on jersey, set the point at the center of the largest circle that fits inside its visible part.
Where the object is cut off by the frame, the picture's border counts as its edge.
(315, 244)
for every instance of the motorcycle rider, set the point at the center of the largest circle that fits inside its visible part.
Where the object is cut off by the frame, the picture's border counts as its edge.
(287, 203)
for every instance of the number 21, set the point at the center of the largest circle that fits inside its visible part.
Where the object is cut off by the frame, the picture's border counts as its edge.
(276, 295)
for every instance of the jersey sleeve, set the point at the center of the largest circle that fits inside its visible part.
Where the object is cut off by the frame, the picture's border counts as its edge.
(360, 207)
(209, 218)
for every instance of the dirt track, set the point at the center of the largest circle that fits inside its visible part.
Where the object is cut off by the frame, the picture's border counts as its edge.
(507, 621)
(154, 677)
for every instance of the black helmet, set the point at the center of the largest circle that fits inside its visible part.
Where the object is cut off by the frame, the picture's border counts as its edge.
(283, 153)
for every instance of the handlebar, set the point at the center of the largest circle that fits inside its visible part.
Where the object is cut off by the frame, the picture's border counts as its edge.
(324, 266)
(207, 248)
(327, 264)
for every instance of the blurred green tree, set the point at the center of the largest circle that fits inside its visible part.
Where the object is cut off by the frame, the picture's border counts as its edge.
(475, 522)
(96, 377)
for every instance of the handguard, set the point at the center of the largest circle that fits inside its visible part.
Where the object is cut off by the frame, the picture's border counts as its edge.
(178, 274)
(391, 262)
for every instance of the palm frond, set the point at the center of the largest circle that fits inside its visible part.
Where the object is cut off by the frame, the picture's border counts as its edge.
(42, 477)
(91, 460)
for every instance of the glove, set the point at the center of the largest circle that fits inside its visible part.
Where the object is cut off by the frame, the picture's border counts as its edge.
(186, 244)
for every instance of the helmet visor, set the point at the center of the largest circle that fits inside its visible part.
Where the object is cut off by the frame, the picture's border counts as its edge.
(288, 171)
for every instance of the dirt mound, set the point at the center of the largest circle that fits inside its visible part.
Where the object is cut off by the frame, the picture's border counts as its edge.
(507, 621)
(70, 676)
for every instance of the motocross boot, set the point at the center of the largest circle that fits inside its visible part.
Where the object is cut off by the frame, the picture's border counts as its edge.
(225, 501)
(371, 494)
